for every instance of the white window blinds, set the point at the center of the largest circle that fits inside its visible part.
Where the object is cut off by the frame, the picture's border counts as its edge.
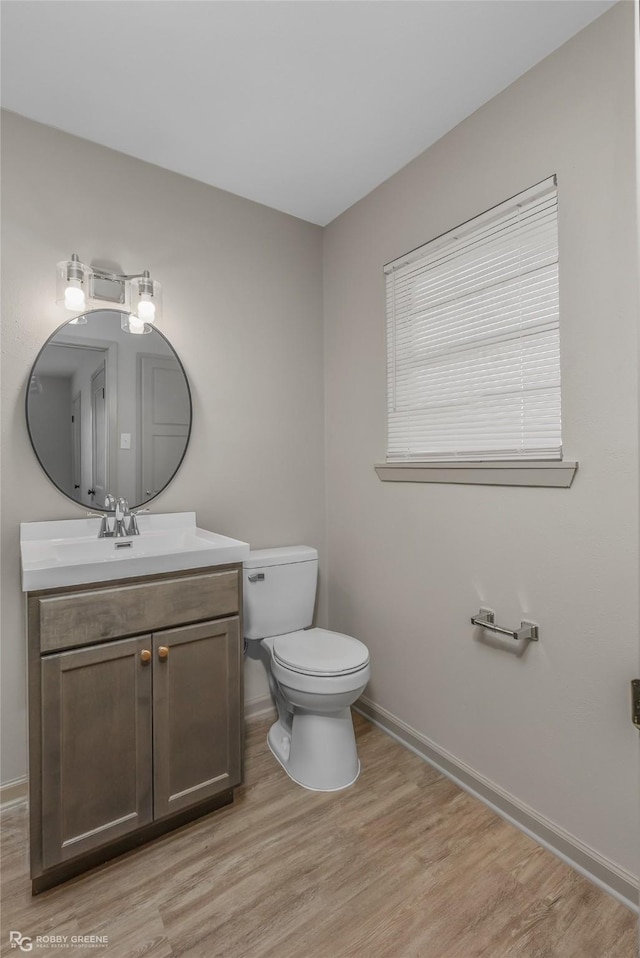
(473, 350)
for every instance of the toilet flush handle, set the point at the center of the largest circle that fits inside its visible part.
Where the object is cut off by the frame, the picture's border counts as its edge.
(256, 577)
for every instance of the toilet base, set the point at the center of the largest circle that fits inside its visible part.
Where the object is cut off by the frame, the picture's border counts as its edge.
(320, 753)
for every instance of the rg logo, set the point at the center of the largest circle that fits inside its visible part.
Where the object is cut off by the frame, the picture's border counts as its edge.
(20, 941)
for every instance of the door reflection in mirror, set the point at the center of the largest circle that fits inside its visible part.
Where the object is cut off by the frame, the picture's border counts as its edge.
(107, 411)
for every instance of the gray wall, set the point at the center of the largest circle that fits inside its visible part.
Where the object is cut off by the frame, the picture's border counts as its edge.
(410, 563)
(242, 290)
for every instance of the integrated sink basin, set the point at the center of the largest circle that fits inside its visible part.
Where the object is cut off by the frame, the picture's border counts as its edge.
(69, 552)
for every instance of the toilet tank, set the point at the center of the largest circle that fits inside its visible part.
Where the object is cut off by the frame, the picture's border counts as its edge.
(279, 590)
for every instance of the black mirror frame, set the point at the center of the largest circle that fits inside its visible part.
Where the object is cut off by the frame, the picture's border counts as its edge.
(32, 373)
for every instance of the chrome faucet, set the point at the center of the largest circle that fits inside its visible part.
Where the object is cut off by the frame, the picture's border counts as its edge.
(133, 522)
(122, 513)
(104, 531)
(124, 520)
(107, 529)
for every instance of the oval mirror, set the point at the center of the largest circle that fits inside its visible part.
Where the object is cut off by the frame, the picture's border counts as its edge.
(108, 412)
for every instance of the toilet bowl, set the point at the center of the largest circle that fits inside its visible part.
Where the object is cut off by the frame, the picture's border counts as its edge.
(315, 675)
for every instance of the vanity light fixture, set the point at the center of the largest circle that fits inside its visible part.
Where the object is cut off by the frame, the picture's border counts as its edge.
(80, 287)
(144, 303)
(72, 284)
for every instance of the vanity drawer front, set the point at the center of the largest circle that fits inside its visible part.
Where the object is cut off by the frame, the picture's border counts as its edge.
(94, 615)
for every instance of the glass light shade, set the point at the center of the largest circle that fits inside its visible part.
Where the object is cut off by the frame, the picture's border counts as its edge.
(146, 299)
(72, 285)
(133, 324)
(74, 298)
(146, 308)
(136, 325)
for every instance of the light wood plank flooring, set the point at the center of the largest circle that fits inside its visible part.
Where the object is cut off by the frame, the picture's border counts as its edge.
(402, 865)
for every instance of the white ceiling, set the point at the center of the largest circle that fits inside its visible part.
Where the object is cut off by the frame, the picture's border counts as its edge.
(304, 105)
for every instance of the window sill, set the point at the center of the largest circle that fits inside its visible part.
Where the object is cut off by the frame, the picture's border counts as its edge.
(538, 473)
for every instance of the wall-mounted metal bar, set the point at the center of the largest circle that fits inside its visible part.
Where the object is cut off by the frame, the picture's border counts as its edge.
(486, 620)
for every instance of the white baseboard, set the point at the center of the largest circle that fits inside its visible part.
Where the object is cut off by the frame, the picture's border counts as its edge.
(617, 882)
(13, 793)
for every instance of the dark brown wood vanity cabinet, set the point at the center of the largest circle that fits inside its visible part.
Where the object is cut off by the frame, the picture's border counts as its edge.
(135, 707)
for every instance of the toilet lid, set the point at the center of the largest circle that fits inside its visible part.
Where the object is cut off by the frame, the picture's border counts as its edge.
(319, 652)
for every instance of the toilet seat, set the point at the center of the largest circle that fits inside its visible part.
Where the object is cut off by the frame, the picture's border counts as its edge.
(320, 652)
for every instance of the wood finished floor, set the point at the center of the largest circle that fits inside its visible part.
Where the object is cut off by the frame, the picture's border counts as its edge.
(401, 865)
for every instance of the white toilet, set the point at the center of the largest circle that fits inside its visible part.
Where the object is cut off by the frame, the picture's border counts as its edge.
(315, 675)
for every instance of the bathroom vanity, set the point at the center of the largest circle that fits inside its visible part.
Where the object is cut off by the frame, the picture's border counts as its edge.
(135, 696)
(134, 625)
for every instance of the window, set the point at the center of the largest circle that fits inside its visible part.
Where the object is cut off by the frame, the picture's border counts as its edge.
(473, 339)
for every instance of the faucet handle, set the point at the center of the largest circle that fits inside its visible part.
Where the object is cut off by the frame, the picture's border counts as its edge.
(133, 523)
(103, 532)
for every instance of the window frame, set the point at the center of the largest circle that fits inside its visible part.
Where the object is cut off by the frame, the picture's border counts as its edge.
(462, 466)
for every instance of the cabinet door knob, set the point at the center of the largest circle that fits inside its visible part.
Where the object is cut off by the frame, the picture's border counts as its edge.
(163, 653)
(145, 656)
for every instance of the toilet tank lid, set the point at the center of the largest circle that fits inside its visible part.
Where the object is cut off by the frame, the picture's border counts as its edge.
(283, 555)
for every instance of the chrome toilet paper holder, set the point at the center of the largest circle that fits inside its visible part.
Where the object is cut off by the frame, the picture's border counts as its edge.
(486, 620)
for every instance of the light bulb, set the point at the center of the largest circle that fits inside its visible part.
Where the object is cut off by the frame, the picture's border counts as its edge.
(146, 308)
(74, 296)
(136, 325)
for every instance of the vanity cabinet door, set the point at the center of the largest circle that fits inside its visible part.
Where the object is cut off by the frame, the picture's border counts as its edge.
(96, 746)
(196, 702)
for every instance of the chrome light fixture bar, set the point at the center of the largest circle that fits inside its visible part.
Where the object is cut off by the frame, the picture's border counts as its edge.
(80, 287)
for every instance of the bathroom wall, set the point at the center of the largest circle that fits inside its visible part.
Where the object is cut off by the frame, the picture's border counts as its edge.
(410, 563)
(242, 290)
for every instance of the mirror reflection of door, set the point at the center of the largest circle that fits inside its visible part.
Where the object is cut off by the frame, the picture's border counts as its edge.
(50, 397)
(88, 430)
(99, 477)
(164, 421)
(76, 443)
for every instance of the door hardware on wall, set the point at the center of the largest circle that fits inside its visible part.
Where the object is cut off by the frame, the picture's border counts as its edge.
(635, 702)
